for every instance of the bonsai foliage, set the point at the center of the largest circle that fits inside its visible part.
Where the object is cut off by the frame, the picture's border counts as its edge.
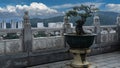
(84, 12)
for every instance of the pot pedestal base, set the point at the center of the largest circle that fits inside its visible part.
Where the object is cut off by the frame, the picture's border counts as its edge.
(79, 59)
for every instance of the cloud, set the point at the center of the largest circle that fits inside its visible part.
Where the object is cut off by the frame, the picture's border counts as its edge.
(97, 5)
(78, 4)
(35, 10)
(64, 6)
(113, 7)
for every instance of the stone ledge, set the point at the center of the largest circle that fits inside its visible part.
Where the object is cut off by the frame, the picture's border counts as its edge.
(32, 59)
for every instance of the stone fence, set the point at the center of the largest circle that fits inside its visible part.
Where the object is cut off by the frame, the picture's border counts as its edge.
(107, 35)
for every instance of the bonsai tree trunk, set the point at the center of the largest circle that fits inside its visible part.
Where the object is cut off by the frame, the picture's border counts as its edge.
(79, 26)
(79, 30)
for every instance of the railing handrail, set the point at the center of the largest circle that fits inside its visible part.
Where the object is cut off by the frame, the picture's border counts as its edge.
(18, 30)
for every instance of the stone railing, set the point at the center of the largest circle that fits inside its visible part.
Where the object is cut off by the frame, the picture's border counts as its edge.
(8, 46)
(107, 34)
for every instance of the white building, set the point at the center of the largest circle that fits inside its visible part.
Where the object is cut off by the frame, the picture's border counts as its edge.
(3, 25)
(20, 25)
(40, 25)
(13, 24)
(59, 24)
(52, 25)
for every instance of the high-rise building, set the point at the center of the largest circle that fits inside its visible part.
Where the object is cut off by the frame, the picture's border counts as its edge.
(3, 25)
(13, 24)
(20, 25)
(40, 25)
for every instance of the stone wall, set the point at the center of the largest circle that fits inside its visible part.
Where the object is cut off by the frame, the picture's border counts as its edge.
(44, 43)
(10, 46)
(48, 43)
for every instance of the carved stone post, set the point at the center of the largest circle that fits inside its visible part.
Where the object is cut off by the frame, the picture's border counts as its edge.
(97, 29)
(27, 34)
(66, 25)
(118, 27)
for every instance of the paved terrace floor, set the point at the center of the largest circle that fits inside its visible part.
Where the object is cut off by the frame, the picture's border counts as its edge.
(108, 60)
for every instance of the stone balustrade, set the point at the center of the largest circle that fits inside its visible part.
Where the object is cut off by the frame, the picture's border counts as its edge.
(43, 43)
(40, 43)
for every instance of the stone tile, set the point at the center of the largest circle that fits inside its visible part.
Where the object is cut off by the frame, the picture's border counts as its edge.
(108, 60)
(103, 67)
(113, 65)
(101, 64)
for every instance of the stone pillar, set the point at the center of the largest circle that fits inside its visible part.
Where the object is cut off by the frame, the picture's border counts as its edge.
(118, 26)
(20, 25)
(97, 29)
(27, 34)
(67, 25)
(3, 25)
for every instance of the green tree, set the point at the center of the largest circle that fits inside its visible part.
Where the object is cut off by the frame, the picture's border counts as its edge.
(84, 12)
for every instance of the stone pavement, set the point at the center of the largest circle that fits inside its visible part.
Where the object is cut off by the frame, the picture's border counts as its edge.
(108, 60)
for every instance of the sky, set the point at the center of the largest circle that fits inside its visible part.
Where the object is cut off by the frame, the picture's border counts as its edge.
(14, 9)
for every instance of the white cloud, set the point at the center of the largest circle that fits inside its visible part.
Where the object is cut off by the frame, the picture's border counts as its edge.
(113, 7)
(35, 10)
(97, 5)
(78, 4)
(64, 6)
(11, 8)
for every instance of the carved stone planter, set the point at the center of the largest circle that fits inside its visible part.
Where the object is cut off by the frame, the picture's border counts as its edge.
(79, 46)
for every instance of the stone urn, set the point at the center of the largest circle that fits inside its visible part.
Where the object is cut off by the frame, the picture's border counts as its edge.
(79, 46)
(80, 41)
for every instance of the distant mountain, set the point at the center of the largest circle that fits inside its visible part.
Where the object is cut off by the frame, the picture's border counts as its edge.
(106, 18)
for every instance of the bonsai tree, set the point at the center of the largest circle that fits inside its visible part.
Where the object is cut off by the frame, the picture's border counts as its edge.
(83, 12)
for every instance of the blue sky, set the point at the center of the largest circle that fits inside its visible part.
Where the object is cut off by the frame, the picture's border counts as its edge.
(52, 2)
(48, 8)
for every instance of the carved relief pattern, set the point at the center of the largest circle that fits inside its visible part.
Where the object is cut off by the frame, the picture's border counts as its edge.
(13, 46)
(49, 42)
